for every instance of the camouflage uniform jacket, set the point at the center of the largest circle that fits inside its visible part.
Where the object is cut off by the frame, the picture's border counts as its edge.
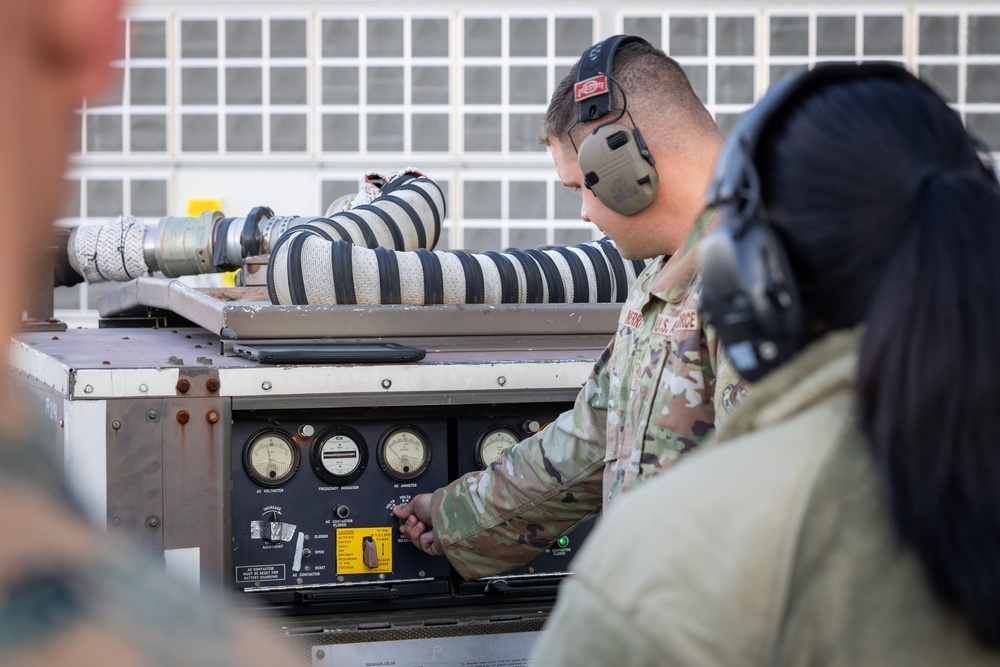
(651, 398)
(71, 594)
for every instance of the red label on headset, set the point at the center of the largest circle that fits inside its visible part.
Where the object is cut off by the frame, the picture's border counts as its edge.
(595, 85)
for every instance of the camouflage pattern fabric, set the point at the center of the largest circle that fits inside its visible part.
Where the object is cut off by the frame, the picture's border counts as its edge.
(71, 595)
(655, 394)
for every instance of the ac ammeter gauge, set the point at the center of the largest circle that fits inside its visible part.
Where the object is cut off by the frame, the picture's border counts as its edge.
(339, 456)
(271, 458)
(404, 453)
(491, 443)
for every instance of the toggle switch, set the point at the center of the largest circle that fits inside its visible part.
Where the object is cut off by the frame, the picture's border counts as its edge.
(370, 551)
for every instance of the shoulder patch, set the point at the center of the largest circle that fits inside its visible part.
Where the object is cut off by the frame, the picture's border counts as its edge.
(733, 395)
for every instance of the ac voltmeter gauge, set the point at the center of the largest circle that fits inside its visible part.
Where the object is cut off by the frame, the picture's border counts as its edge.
(404, 453)
(339, 456)
(491, 443)
(271, 458)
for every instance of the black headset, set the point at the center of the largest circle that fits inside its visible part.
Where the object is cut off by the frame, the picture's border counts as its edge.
(748, 291)
(616, 164)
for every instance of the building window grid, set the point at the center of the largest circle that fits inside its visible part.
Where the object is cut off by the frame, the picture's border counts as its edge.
(961, 60)
(550, 223)
(225, 66)
(909, 55)
(135, 62)
(555, 68)
(83, 208)
(456, 108)
(812, 57)
(363, 108)
(457, 61)
(123, 110)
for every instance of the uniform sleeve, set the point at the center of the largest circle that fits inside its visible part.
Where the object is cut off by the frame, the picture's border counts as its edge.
(495, 520)
(730, 387)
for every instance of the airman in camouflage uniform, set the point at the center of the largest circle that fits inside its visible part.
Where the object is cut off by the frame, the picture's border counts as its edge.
(658, 389)
(653, 395)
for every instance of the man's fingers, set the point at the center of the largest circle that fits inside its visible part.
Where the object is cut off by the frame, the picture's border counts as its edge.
(429, 544)
(415, 524)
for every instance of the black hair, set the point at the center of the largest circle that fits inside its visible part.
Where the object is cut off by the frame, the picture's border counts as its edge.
(891, 219)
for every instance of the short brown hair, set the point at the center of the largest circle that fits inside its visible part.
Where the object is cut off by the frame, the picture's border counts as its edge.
(648, 76)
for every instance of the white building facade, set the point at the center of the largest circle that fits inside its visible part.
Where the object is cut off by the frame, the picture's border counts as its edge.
(287, 104)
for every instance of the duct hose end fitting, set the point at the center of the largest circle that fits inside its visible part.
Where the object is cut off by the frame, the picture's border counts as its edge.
(185, 246)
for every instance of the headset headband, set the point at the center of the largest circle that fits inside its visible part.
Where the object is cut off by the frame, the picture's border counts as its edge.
(593, 91)
(749, 290)
(736, 176)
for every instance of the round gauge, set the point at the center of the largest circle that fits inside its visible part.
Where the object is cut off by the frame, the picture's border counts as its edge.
(339, 456)
(404, 453)
(492, 441)
(271, 458)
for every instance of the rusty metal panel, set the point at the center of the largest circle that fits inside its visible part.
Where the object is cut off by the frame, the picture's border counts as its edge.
(196, 436)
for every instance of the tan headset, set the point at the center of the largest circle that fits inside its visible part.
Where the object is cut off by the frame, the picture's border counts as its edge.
(616, 164)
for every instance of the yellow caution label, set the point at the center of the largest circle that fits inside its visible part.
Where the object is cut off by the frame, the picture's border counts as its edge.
(364, 550)
(198, 206)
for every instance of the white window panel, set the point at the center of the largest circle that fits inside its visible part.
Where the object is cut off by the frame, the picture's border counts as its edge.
(958, 53)
(460, 91)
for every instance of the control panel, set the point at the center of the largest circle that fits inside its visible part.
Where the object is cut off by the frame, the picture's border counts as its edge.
(313, 496)
(313, 493)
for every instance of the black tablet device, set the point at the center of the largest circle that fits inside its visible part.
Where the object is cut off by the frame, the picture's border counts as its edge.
(329, 353)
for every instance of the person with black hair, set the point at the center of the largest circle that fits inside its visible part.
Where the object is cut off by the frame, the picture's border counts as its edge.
(852, 516)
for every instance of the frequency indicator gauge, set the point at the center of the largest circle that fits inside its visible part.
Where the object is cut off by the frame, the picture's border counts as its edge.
(339, 456)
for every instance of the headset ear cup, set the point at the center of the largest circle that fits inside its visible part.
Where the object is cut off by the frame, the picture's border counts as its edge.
(750, 296)
(615, 170)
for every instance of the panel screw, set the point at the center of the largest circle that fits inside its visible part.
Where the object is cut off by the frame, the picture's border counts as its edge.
(501, 380)
(143, 388)
(183, 385)
(116, 424)
(320, 654)
(152, 522)
(386, 383)
(152, 415)
(183, 417)
(265, 385)
(212, 416)
(213, 384)
(89, 389)
(116, 521)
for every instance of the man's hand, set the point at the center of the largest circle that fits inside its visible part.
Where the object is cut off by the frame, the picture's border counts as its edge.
(415, 524)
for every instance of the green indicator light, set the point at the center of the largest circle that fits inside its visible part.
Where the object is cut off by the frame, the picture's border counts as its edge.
(563, 541)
